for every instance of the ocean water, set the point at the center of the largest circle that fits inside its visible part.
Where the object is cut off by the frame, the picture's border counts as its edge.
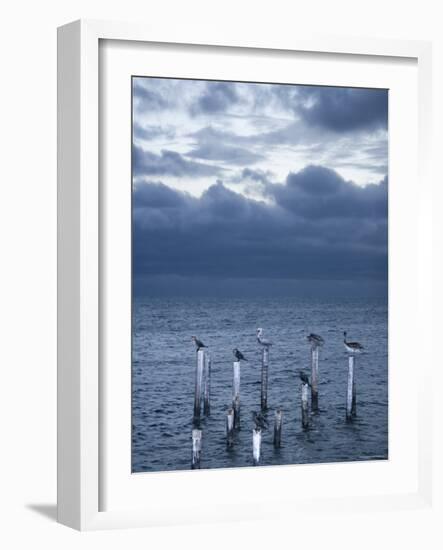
(163, 380)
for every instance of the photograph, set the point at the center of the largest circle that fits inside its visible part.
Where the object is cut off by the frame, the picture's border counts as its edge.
(259, 273)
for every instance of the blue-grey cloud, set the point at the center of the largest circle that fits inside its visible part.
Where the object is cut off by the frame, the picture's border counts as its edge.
(168, 163)
(343, 109)
(147, 98)
(312, 225)
(319, 192)
(259, 176)
(217, 150)
(217, 97)
(318, 226)
(150, 132)
(290, 133)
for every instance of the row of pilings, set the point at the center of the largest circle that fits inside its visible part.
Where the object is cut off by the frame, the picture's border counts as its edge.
(202, 402)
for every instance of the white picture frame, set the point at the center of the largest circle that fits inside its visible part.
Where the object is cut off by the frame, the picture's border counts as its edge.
(80, 410)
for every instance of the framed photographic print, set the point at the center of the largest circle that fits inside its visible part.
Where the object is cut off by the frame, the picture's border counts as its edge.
(259, 223)
(239, 243)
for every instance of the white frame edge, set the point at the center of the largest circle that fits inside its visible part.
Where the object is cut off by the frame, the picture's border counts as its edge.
(78, 248)
(78, 262)
(68, 281)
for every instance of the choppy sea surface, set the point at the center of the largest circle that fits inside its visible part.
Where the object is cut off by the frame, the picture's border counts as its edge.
(163, 380)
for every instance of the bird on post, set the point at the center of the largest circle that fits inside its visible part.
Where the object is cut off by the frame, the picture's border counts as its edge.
(262, 341)
(238, 355)
(198, 343)
(304, 378)
(259, 420)
(352, 347)
(315, 340)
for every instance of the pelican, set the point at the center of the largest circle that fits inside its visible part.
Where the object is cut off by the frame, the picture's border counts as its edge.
(259, 420)
(262, 341)
(238, 355)
(198, 343)
(352, 347)
(304, 378)
(315, 339)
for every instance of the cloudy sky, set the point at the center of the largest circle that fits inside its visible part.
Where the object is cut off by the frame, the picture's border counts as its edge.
(268, 189)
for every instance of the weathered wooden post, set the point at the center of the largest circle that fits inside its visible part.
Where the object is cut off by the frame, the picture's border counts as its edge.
(305, 406)
(196, 448)
(277, 428)
(230, 428)
(256, 444)
(354, 396)
(207, 385)
(236, 394)
(264, 378)
(199, 382)
(351, 394)
(314, 376)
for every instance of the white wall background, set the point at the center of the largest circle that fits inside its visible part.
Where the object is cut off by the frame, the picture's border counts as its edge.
(28, 263)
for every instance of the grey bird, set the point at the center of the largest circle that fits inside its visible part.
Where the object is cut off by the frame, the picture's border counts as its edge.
(315, 339)
(262, 341)
(198, 343)
(304, 378)
(238, 355)
(259, 420)
(352, 347)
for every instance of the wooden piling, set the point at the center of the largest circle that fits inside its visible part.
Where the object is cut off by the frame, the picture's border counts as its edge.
(351, 394)
(354, 397)
(196, 448)
(314, 377)
(264, 379)
(256, 445)
(236, 394)
(305, 406)
(277, 429)
(207, 386)
(230, 428)
(198, 382)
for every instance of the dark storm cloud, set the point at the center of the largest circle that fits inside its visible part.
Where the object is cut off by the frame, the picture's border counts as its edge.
(343, 109)
(168, 163)
(217, 97)
(318, 192)
(335, 109)
(318, 227)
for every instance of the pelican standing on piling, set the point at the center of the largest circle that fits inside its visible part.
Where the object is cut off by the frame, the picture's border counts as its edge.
(259, 420)
(262, 341)
(198, 343)
(352, 347)
(315, 340)
(304, 378)
(238, 355)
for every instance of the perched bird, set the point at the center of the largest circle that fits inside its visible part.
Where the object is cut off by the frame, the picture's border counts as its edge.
(198, 343)
(259, 420)
(304, 378)
(238, 355)
(315, 339)
(263, 342)
(352, 347)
